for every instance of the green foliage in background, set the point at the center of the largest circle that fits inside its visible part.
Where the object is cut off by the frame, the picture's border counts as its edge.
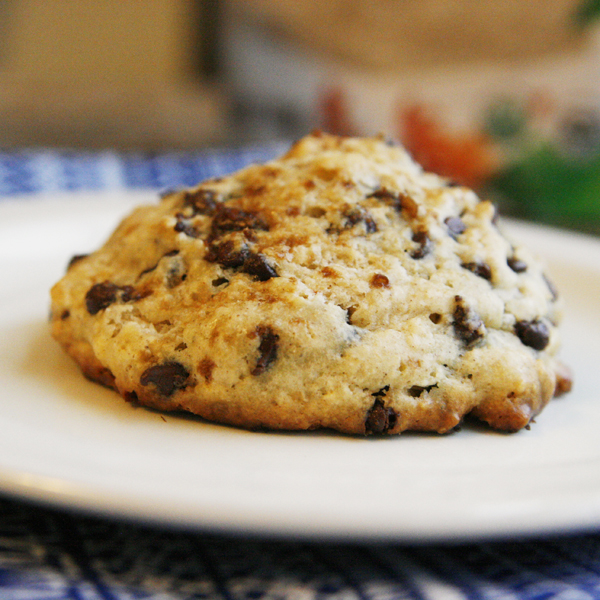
(588, 11)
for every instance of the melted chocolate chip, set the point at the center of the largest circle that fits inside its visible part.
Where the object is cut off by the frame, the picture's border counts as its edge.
(267, 349)
(384, 194)
(100, 296)
(422, 239)
(518, 266)
(467, 324)
(226, 254)
(397, 200)
(229, 218)
(167, 377)
(360, 215)
(202, 202)
(379, 418)
(257, 265)
(534, 334)
(455, 226)
(128, 292)
(175, 273)
(184, 226)
(480, 268)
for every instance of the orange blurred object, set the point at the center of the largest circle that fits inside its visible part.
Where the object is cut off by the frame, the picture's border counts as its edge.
(467, 159)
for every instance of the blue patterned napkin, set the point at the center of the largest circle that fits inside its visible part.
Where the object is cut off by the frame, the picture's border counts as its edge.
(51, 171)
(53, 555)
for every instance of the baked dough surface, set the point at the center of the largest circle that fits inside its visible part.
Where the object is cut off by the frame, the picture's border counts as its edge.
(338, 286)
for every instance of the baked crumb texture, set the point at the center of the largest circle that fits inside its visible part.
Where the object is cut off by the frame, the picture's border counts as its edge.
(337, 287)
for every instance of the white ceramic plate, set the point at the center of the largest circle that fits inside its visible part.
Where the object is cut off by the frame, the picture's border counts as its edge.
(68, 442)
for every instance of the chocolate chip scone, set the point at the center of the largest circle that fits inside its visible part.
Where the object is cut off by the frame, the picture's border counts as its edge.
(339, 286)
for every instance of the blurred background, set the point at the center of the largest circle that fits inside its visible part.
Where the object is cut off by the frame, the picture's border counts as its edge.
(501, 95)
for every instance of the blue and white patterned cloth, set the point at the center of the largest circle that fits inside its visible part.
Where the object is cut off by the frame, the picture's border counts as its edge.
(51, 554)
(51, 171)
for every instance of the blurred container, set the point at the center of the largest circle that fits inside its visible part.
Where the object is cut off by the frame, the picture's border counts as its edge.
(88, 74)
(502, 95)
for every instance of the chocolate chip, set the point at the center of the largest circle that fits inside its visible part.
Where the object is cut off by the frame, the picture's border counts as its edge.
(534, 334)
(267, 349)
(360, 215)
(184, 226)
(202, 202)
(257, 265)
(76, 259)
(370, 225)
(384, 194)
(416, 390)
(379, 281)
(100, 296)
(455, 226)
(517, 265)
(229, 218)
(379, 418)
(167, 377)
(422, 239)
(65, 314)
(480, 268)
(435, 318)
(130, 294)
(175, 273)
(226, 254)
(397, 200)
(467, 324)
